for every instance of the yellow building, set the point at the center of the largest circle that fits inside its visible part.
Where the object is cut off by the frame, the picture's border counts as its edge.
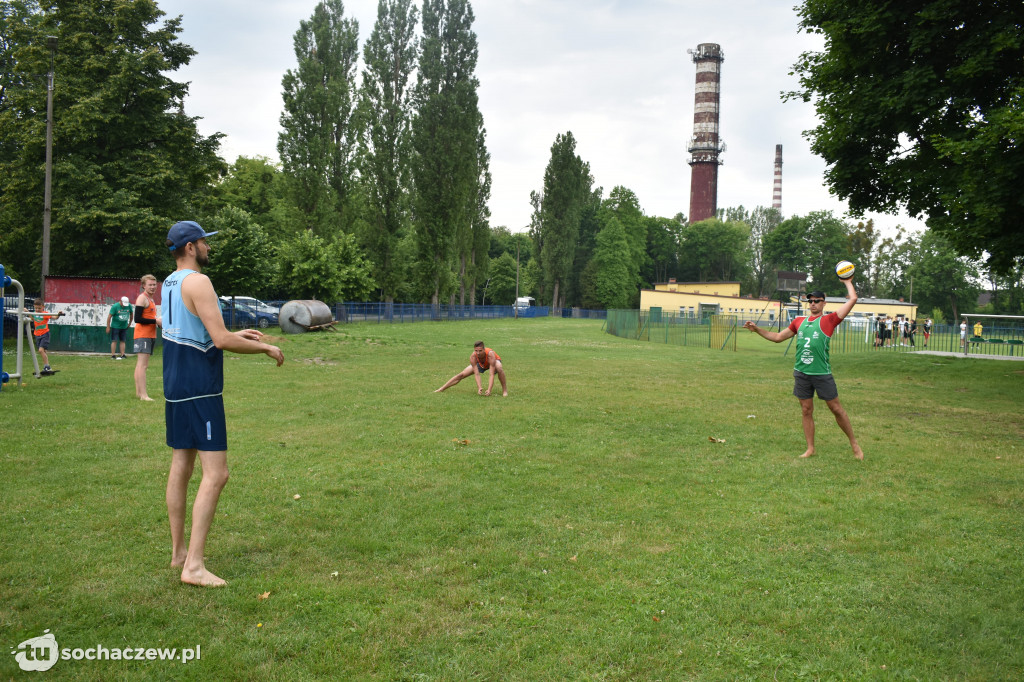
(695, 299)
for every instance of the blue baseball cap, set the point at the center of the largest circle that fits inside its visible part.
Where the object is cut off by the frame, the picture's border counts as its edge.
(184, 232)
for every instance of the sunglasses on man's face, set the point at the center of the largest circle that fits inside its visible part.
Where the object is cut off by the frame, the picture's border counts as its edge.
(815, 300)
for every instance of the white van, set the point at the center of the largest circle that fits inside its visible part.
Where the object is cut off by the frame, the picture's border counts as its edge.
(253, 303)
(524, 302)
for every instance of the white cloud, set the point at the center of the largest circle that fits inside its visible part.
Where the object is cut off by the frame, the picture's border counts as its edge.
(615, 73)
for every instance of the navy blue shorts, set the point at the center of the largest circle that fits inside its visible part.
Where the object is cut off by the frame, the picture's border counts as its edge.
(43, 341)
(197, 424)
(118, 334)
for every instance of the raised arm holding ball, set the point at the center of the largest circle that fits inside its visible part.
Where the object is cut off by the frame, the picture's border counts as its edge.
(813, 371)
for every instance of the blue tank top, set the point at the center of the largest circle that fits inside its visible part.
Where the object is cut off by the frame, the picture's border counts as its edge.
(193, 365)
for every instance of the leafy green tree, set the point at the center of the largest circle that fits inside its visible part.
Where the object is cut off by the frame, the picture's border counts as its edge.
(328, 269)
(664, 237)
(624, 205)
(761, 275)
(590, 225)
(1008, 290)
(863, 240)
(501, 286)
(127, 161)
(614, 273)
(445, 138)
(921, 105)
(813, 244)
(473, 257)
(318, 137)
(386, 108)
(566, 187)
(243, 260)
(714, 251)
(893, 255)
(258, 187)
(942, 278)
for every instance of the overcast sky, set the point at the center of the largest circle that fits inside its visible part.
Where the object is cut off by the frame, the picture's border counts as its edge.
(615, 73)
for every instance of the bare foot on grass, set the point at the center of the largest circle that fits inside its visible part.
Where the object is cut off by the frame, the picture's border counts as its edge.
(858, 453)
(145, 398)
(809, 453)
(202, 578)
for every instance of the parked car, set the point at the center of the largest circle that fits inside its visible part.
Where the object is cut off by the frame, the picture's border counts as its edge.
(241, 315)
(255, 304)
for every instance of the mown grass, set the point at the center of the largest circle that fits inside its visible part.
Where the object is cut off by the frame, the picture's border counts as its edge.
(588, 530)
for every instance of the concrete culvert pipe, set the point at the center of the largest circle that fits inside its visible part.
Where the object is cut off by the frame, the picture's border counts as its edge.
(299, 317)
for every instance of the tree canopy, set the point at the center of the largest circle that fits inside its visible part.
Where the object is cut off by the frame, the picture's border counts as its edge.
(921, 105)
(127, 161)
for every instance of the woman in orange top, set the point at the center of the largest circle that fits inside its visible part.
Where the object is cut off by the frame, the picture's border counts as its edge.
(146, 322)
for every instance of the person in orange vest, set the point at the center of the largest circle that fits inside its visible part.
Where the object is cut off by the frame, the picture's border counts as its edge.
(146, 322)
(480, 360)
(41, 331)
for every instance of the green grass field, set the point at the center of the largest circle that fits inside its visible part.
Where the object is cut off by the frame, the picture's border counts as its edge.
(589, 529)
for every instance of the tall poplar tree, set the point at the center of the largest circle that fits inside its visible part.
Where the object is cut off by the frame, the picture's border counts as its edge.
(445, 132)
(474, 259)
(386, 108)
(567, 184)
(127, 161)
(318, 139)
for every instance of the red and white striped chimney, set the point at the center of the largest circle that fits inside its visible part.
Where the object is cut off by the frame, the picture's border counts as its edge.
(705, 146)
(777, 184)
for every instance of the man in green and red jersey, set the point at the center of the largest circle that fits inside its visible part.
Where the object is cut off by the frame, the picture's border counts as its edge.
(813, 372)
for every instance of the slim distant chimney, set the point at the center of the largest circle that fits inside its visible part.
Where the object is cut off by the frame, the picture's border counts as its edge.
(777, 184)
(705, 146)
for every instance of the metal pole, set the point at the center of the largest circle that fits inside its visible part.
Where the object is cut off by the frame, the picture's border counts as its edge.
(51, 43)
(515, 304)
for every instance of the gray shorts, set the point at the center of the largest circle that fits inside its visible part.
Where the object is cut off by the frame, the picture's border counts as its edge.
(806, 385)
(144, 346)
(43, 341)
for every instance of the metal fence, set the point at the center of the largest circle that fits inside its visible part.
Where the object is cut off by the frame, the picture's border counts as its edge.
(854, 335)
(397, 313)
(703, 331)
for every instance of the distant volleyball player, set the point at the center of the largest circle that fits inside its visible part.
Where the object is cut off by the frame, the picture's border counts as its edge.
(481, 360)
(194, 340)
(813, 371)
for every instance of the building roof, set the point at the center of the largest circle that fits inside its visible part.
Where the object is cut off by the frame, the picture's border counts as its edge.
(874, 301)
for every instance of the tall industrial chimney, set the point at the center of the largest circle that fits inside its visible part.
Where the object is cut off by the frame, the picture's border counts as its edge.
(704, 145)
(777, 184)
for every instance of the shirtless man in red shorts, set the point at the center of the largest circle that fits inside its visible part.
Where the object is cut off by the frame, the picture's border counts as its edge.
(480, 360)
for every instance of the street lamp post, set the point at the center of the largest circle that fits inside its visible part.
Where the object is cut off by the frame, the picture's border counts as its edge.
(51, 44)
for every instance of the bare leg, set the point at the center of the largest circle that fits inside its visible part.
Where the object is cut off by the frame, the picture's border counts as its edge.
(843, 420)
(457, 378)
(46, 358)
(807, 412)
(500, 369)
(182, 463)
(141, 363)
(215, 477)
(113, 347)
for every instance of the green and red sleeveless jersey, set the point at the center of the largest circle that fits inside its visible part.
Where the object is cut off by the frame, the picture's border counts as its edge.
(813, 335)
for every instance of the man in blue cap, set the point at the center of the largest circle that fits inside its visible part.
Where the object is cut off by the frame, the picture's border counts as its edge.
(195, 339)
